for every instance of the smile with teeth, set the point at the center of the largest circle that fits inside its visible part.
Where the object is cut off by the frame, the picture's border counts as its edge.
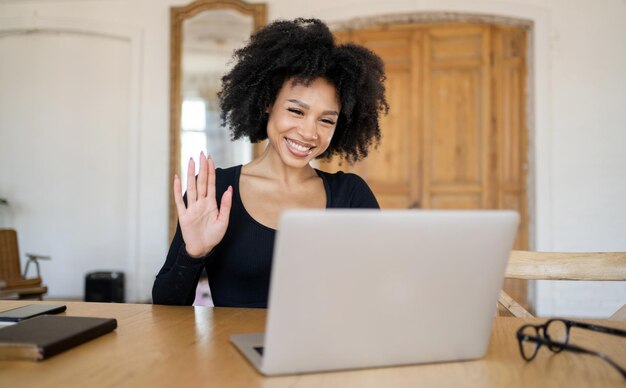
(298, 148)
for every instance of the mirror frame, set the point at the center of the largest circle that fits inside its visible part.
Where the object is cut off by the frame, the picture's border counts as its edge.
(178, 15)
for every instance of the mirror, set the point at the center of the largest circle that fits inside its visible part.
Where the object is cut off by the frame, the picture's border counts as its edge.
(204, 35)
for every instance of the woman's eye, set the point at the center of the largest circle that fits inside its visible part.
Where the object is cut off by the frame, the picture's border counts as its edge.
(328, 121)
(296, 111)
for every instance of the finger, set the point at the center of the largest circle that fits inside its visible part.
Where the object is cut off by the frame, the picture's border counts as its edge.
(211, 185)
(178, 197)
(191, 182)
(225, 205)
(202, 177)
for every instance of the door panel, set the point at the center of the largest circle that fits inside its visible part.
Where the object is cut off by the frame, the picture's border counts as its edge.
(456, 119)
(453, 128)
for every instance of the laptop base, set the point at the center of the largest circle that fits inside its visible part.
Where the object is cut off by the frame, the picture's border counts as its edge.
(250, 345)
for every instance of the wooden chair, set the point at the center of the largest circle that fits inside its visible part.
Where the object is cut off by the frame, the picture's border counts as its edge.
(528, 265)
(14, 284)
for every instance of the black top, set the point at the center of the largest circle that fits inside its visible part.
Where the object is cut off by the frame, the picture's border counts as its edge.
(239, 266)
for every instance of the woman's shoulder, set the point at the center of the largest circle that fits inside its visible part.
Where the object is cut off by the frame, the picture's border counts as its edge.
(227, 171)
(340, 178)
(348, 190)
(228, 176)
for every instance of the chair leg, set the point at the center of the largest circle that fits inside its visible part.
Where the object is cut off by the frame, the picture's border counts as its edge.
(37, 267)
(34, 259)
(620, 315)
(512, 306)
(26, 268)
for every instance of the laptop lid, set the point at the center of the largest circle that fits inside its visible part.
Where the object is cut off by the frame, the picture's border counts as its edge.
(369, 288)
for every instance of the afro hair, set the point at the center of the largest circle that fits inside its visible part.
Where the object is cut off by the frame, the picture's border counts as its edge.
(303, 50)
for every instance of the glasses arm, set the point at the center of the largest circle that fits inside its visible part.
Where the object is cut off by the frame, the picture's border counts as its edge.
(577, 349)
(601, 329)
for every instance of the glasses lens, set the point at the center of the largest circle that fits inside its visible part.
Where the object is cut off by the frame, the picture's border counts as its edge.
(557, 333)
(528, 345)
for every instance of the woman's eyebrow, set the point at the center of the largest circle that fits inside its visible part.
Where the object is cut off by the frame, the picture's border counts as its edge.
(306, 106)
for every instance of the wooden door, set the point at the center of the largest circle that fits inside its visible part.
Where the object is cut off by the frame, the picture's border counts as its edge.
(457, 152)
(455, 135)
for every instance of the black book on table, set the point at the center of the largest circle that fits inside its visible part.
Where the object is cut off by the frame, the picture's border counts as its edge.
(44, 336)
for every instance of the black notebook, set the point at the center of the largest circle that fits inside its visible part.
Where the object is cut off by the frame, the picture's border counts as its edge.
(44, 336)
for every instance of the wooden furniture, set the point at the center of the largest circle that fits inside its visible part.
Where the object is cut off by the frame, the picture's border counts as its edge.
(603, 266)
(16, 284)
(619, 315)
(164, 346)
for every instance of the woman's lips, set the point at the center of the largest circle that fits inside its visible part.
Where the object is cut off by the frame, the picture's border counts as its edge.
(297, 148)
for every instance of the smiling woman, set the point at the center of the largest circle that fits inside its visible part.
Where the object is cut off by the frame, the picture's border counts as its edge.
(310, 98)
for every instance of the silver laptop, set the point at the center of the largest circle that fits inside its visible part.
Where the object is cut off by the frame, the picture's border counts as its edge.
(368, 288)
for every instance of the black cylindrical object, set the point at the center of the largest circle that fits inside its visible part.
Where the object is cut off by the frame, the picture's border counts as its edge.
(104, 286)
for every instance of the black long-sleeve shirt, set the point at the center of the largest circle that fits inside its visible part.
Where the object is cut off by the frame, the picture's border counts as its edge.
(239, 266)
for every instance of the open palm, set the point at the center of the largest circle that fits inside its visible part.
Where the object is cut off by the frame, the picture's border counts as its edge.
(202, 223)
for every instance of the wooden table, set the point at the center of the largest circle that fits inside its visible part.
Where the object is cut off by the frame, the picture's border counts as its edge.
(159, 346)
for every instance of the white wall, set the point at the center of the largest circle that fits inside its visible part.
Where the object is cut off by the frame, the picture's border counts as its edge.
(588, 168)
(64, 150)
(579, 93)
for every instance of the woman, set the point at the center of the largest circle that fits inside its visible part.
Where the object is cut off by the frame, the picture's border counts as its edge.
(291, 84)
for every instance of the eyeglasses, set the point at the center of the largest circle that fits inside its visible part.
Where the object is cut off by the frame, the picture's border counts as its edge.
(555, 335)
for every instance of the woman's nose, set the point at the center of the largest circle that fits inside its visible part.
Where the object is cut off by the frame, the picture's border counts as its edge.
(308, 130)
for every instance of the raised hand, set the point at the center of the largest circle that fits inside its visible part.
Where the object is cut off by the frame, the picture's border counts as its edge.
(202, 223)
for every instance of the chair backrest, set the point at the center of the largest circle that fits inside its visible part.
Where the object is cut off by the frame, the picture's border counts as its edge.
(529, 265)
(567, 266)
(9, 255)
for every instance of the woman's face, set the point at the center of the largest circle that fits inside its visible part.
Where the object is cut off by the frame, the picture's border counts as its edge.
(302, 121)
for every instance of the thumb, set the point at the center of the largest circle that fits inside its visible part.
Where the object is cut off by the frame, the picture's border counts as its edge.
(225, 205)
